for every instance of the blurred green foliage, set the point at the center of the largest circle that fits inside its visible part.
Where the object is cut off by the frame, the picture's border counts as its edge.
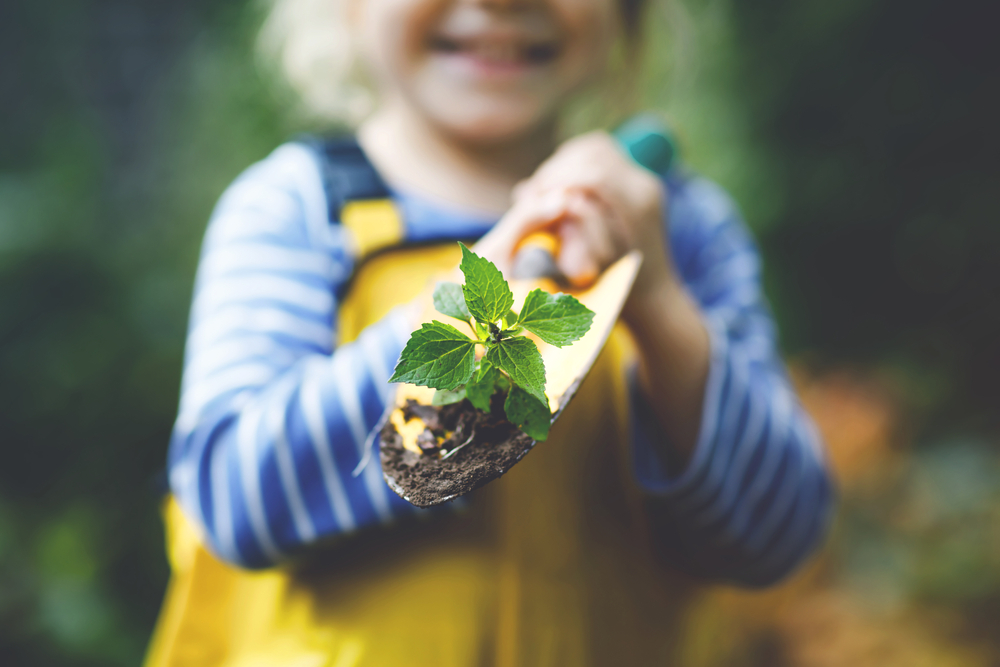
(859, 137)
(122, 124)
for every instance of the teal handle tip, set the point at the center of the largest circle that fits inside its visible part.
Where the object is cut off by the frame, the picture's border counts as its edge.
(650, 143)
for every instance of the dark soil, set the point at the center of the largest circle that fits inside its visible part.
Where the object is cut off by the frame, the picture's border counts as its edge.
(427, 480)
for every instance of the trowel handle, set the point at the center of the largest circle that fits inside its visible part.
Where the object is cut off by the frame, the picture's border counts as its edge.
(650, 144)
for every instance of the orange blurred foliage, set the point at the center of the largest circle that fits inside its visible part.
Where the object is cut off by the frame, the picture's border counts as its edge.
(811, 620)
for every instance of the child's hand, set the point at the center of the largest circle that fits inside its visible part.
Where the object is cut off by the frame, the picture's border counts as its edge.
(600, 204)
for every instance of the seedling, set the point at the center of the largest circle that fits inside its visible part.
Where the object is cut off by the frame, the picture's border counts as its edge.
(441, 357)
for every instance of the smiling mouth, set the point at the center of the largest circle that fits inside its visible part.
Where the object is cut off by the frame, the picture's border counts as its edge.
(497, 52)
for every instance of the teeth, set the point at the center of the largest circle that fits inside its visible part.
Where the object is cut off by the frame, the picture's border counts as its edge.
(499, 52)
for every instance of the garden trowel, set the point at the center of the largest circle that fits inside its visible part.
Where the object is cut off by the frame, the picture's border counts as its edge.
(428, 480)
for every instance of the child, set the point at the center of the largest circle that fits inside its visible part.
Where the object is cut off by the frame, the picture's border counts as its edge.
(717, 470)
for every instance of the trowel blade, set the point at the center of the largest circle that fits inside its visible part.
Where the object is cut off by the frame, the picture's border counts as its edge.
(565, 370)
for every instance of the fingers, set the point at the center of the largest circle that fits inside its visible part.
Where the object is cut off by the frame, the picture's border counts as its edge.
(587, 241)
(529, 214)
(575, 259)
(591, 236)
(588, 162)
(600, 225)
(580, 193)
(587, 245)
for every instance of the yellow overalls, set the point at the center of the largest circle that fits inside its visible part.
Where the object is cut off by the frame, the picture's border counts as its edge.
(550, 565)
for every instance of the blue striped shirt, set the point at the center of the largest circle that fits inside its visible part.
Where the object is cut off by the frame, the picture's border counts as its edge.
(274, 415)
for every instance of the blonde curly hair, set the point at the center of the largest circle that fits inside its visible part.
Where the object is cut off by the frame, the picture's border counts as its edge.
(311, 44)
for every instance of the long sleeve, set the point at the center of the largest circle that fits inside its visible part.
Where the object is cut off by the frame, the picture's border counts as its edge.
(273, 417)
(756, 497)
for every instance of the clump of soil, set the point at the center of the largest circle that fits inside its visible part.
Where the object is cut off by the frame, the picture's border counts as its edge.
(494, 445)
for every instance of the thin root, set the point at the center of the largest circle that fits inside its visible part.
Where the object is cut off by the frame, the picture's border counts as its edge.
(471, 436)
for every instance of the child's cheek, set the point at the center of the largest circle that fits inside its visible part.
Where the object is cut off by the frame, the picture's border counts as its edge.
(394, 35)
(592, 27)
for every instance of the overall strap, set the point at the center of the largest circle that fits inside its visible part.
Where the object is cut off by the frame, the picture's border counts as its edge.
(358, 198)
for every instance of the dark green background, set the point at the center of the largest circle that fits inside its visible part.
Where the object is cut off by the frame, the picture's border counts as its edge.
(860, 138)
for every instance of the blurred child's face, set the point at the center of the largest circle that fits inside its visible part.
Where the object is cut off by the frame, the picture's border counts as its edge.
(486, 70)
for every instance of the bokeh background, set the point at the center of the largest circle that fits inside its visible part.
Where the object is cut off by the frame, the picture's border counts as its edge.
(859, 136)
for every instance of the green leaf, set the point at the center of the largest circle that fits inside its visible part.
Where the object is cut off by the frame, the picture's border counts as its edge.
(521, 360)
(528, 413)
(449, 300)
(501, 381)
(437, 355)
(482, 368)
(446, 397)
(558, 319)
(486, 292)
(482, 387)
